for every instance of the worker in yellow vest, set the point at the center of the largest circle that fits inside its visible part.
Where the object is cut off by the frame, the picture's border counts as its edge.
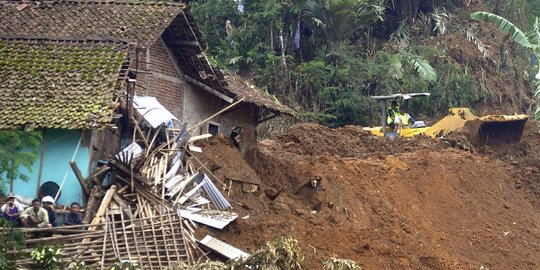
(403, 119)
(391, 113)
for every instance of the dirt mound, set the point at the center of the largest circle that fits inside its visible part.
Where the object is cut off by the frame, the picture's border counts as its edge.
(402, 204)
(349, 141)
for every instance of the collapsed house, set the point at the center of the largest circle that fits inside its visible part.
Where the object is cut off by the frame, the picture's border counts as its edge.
(76, 101)
(120, 90)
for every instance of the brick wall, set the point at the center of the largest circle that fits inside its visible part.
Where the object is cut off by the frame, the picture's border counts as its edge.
(159, 77)
(200, 104)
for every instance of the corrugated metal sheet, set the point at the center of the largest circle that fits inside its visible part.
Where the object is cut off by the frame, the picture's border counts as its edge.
(126, 154)
(223, 248)
(152, 111)
(213, 218)
(213, 193)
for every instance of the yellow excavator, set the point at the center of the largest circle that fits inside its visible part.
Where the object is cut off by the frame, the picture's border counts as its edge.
(489, 129)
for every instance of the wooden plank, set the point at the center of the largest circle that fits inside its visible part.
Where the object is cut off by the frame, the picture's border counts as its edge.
(79, 176)
(127, 170)
(102, 208)
(208, 88)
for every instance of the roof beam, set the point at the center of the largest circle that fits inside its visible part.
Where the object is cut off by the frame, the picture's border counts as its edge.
(192, 43)
(208, 88)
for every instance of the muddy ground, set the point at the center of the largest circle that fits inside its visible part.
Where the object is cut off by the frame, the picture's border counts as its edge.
(404, 204)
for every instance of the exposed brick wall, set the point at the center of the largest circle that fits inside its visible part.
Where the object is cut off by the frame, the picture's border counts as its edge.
(201, 104)
(158, 77)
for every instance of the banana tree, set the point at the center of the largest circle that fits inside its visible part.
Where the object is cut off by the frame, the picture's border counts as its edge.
(531, 40)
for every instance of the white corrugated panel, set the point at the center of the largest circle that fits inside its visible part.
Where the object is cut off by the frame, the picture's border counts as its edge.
(213, 193)
(213, 218)
(152, 111)
(223, 248)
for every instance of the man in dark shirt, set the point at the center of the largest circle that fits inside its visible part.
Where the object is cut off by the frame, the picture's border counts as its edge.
(74, 217)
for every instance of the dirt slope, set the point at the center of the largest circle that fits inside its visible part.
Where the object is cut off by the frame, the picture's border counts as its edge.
(403, 204)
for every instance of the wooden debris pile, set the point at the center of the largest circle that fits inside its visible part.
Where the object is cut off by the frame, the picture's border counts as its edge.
(143, 204)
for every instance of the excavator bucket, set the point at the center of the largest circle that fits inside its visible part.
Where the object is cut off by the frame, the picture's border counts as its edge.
(490, 129)
(496, 129)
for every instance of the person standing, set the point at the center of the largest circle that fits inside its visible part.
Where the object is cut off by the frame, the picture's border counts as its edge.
(35, 216)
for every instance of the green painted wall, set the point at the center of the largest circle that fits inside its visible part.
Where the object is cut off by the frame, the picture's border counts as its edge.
(60, 146)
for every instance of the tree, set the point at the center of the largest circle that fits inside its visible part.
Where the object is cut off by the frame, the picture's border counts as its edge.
(17, 148)
(530, 41)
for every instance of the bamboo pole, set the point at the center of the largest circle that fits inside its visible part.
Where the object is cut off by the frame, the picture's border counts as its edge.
(41, 161)
(191, 129)
(125, 235)
(155, 239)
(145, 240)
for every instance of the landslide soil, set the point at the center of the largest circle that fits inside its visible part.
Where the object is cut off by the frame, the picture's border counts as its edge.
(387, 204)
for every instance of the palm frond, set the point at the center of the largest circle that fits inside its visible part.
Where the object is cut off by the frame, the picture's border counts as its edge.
(422, 67)
(483, 48)
(401, 36)
(340, 264)
(235, 60)
(395, 70)
(442, 19)
(504, 25)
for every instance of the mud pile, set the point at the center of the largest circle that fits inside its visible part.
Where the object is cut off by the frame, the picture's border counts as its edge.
(403, 204)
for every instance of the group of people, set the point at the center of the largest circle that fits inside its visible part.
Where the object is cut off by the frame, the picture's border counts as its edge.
(40, 214)
(397, 117)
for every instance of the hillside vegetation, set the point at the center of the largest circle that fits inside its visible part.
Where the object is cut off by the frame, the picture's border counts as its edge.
(326, 57)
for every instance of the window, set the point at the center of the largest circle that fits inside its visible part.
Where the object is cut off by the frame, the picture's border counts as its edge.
(213, 128)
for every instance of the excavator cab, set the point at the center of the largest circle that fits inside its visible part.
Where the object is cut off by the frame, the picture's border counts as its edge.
(384, 130)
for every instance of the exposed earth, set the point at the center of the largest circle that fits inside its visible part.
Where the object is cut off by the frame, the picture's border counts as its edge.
(413, 203)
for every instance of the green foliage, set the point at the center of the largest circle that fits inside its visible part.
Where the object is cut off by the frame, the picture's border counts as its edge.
(340, 63)
(531, 41)
(282, 253)
(209, 265)
(46, 257)
(456, 88)
(10, 239)
(340, 264)
(17, 147)
(504, 25)
(124, 266)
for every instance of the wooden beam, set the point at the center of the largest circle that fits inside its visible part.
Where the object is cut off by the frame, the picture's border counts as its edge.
(208, 88)
(192, 43)
(267, 118)
(79, 176)
(130, 93)
(104, 204)
(102, 170)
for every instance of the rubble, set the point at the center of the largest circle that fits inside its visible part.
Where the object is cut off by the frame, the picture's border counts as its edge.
(149, 211)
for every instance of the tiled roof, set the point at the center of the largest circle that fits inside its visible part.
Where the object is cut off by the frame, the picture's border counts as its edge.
(139, 22)
(59, 83)
(187, 45)
(251, 94)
